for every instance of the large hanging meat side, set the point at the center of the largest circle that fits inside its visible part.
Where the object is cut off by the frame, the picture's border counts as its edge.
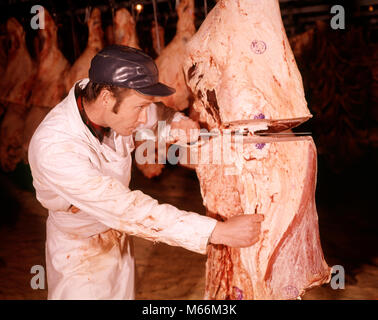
(240, 66)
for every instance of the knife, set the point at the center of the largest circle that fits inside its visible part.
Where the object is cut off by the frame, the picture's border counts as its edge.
(273, 133)
(273, 125)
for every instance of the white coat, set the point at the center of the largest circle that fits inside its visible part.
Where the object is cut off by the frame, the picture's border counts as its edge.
(89, 254)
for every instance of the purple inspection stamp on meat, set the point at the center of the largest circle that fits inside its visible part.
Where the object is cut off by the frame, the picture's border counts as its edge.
(238, 293)
(259, 116)
(258, 46)
(290, 292)
(260, 145)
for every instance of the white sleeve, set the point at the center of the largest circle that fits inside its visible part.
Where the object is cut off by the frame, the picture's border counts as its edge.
(158, 112)
(72, 177)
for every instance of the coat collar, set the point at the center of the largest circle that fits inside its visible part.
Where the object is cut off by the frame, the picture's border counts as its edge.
(98, 131)
(78, 127)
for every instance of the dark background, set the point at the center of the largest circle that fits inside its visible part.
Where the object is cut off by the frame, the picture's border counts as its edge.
(345, 131)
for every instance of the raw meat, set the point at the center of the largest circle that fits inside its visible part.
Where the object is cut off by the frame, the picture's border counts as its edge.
(171, 59)
(3, 55)
(150, 170)
(19, 74)
(18, 59)
(124, 29)
(49, 88)
(80, 68)
(109, 35)
(170, 64)
(154, 38)
(240, 66)
(300, 42)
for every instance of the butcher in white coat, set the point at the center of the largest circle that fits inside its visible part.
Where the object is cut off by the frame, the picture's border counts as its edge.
(80, 159)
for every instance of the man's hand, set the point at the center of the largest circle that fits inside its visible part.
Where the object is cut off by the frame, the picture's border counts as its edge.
(238, 231)
(183, 130)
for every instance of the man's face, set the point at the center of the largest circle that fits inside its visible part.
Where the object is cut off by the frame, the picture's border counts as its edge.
(131, 113)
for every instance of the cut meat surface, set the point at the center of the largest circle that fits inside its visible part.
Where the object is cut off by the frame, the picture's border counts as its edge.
(288, 258)
(80, 68)
(18, 80)
(170, 61)
(239, 66)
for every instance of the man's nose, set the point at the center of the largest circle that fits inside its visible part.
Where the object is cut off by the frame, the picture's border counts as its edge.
(142, 118)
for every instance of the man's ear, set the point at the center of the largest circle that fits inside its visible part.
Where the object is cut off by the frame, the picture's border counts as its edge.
(107, 98)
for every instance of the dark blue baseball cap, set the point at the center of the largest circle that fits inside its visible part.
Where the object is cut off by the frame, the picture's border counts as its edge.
(128, 67)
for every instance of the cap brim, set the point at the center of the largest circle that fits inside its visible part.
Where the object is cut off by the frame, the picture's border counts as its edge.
(158, 89)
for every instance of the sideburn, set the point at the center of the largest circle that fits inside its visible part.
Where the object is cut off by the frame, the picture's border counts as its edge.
(117, 104)
(119, 95)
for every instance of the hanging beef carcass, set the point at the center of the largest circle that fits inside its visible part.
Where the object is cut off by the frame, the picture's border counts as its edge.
(18, 60)
(109, 35)
(49, 87)
(300, 42)
(18, 80)
(3, 54)
(124, 29)
(160, 31)
(171, 59)
(80, 68)
(170, 63)
(240, 66)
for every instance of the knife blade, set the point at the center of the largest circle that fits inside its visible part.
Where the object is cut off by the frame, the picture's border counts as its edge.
(273, 138)
(273, 125)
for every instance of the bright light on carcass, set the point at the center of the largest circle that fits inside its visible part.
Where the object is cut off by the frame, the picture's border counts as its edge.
(139, 7)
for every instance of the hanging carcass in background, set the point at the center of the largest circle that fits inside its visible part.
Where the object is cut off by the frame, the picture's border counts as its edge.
(109, 35)
(338, 77)
(15, 57)
(160, 31)
(300, 42)
(49, 88)
(3, 54)
(124, 29)
(170, 63)
(125, 34)
(15, 90)
(171, 59)
(240, 66)
(80, 68)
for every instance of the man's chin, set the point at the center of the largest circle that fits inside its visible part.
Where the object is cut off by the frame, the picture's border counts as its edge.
(126, 132)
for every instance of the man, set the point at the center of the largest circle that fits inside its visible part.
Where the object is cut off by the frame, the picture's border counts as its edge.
(80, 158)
